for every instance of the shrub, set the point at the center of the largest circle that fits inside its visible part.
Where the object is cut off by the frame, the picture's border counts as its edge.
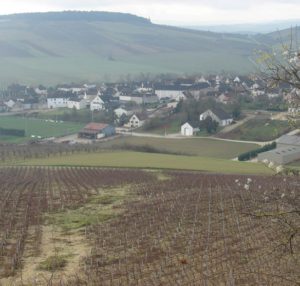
(252, 154)
(12, 132)
(53, 263)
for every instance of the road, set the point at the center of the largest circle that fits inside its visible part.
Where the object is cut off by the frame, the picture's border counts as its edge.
(178, 136)
(239, 123)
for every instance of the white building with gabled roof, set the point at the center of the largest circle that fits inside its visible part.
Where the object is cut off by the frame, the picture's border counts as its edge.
(97, 104)
(188, 130)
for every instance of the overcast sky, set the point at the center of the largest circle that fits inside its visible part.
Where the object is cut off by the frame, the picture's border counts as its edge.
(173, 12)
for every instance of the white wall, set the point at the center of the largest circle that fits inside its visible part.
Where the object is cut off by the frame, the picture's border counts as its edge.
(136, 99)
(77, 105)
(97, 104)
(173, 94)
(187, 130)
(57, 102)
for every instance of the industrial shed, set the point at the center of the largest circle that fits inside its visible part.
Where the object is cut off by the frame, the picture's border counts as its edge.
(288, 150)
(96, 131)
(281, 156)
(288, 140)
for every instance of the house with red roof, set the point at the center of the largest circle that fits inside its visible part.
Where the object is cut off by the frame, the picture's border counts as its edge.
(97, 131)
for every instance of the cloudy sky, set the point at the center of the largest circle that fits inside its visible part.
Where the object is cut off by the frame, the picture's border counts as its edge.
(179, 12)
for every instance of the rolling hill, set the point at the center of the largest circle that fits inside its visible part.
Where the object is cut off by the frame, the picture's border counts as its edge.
(57, 47)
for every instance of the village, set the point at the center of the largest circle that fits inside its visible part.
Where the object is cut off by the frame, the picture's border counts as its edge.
(212, 106)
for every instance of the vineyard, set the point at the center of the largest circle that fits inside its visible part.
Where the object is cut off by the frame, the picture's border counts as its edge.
(12, 152)
(147, 228)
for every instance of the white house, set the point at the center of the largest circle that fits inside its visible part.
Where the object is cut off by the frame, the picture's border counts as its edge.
(89, 96)
(256, 93)
(10, 103)
(57, 102)
(136, 121)
(76, 103)
(188, 130)
(41, 91)
(218, 115)
(237, 80)
(97, 104)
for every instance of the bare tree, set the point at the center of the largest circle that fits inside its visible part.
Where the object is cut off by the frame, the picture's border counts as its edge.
(281, 65)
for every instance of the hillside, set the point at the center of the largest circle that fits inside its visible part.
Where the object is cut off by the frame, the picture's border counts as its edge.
(79, 46)
(278, 37)
(251, 28)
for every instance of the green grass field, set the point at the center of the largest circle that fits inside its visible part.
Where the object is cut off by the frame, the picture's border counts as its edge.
(36, 127)
(259, 130)
(194, 146)
(124, 159)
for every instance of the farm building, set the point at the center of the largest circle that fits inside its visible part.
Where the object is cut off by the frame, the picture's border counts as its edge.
(96, 131)
(288, 151)
(187, 129)
(219, 115)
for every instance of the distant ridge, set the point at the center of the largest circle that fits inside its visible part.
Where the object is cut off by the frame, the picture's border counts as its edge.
(82, 16)
(251, 29)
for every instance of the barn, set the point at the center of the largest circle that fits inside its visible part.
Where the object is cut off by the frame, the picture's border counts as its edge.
(96, 131)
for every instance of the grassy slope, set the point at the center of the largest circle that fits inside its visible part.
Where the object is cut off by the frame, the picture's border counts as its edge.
(195, 146)
(295, 165)
(51, 52)
(259, 130)
(36, 127)
(152, 161)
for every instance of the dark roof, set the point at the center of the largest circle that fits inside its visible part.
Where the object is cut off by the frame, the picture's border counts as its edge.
(140, 116)
(194, 124)
(221, 113)
(92, 91)
(284, 151)
(75, 99)
(61, 95)
(171, 87)
(289, 140)
(200, 85)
